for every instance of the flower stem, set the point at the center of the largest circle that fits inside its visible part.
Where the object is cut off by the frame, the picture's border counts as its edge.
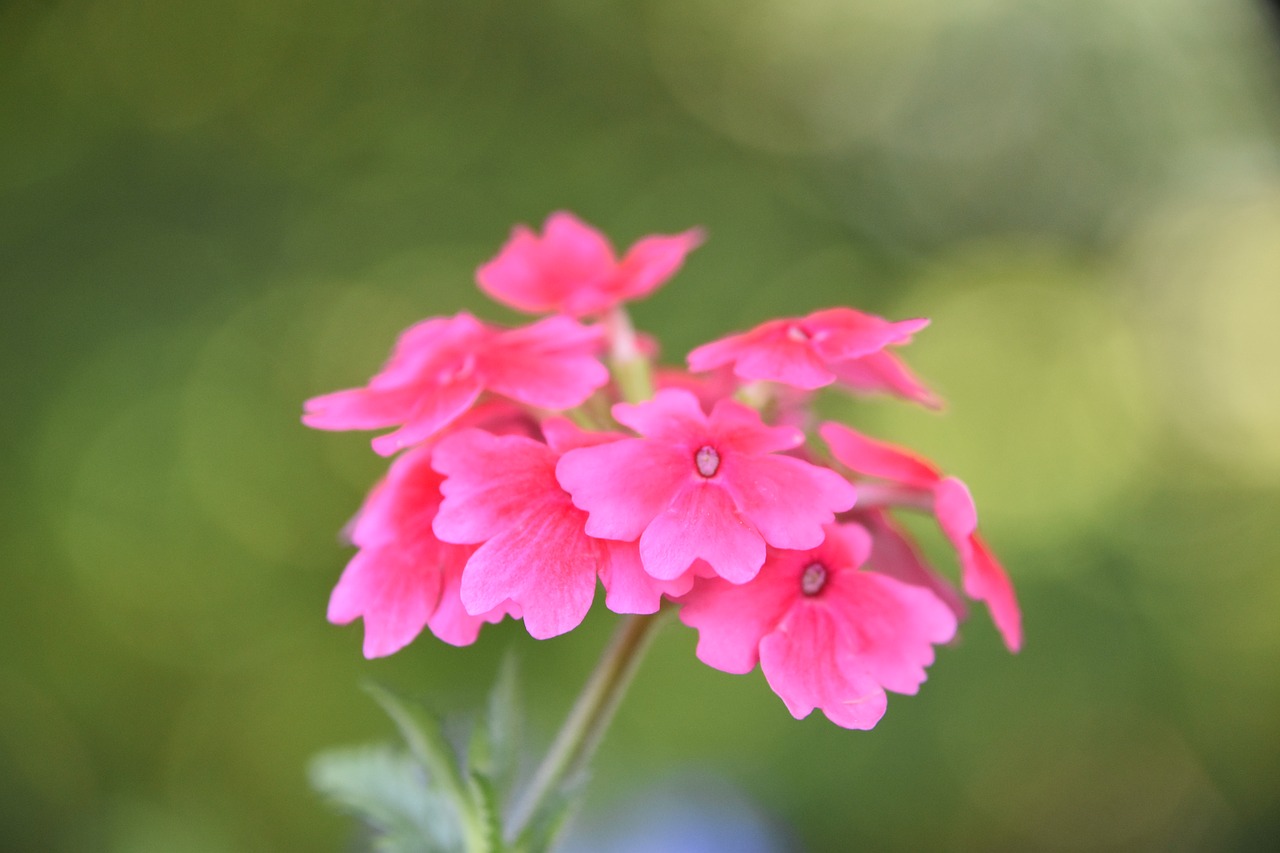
(631, 369)
(586, 724)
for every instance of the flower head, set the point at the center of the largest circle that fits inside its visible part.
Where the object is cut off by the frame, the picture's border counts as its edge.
(826, 633)
(572, 269)
(702, 487)
(440, 367)
(806, 351)
(982, 575)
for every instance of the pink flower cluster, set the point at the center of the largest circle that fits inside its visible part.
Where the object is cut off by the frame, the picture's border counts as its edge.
(538, 464)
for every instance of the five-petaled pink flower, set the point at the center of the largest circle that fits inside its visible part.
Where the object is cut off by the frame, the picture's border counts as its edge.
(404, 578)
(807, 352)
(501, 493)
(440, 367)
(826, 633)
(572, 269)
(698, 487)
(982, 575)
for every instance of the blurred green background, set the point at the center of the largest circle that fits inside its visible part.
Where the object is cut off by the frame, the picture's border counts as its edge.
(211, 211)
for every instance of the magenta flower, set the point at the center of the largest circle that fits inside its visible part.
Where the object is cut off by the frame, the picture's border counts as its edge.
(826, 634)
(501, 493)
(572, 269)
(804, 352)
(698, 487)
(982, 576)
(403, 578)
(441, 366)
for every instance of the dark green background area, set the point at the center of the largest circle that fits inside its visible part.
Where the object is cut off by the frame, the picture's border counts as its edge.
(211, 211)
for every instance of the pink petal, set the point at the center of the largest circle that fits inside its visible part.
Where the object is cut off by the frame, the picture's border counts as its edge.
(731, 619)
(986, 580)
(629, 588)
(893, 554)
(623, 485)
(772, 351)
(892, 627)
(451, 622)
(563, 435)
(538, 275)
(653, 260)
(877, 458)
(393, 589)
(701, 522)
(436, 410)
(737, 427)
(862, 712)
(491, 481)
(551, 364)
(359, 408)
(673, 416)
(786, 499)
(546, 564)
(779, 359)
(430, 347)
(957, 515)
(718, 353)
(402, 506)
(798, 662)
(839, 334)
(884, 373)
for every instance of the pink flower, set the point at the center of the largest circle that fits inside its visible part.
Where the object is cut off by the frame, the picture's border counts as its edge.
(572, 269)
(804, 352)
(403, 578)
(501, 493)
(826, 634)
(983, 577)
(440, 367)
(698, 487)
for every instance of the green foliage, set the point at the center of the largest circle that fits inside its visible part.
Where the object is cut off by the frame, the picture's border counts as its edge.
(428, 797)
(387, 790)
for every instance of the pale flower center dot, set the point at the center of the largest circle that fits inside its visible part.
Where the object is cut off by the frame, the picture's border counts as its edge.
(813, 579)
(707, 460)
(797, 334)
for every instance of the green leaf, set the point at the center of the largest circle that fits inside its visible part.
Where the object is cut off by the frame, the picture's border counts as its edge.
(495, 741)
(425, 736)
(489, 809)
(387, 790)
(545, 827)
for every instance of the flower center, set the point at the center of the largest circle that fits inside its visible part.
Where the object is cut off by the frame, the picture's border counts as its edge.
(707, 460)
(798, 333)
(813, 579)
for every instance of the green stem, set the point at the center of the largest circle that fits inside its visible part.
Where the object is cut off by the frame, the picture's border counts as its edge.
(586, 724)
(631, 369)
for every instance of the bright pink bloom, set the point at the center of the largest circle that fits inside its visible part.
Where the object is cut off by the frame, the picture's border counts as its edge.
(440, 367)
(698, 487)
(502, 491)
(804, 352)
(826, 634)
(572, 269)
(983, 577)
(403, 578)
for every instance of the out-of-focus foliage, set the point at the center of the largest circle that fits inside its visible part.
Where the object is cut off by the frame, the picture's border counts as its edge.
(210, 211)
